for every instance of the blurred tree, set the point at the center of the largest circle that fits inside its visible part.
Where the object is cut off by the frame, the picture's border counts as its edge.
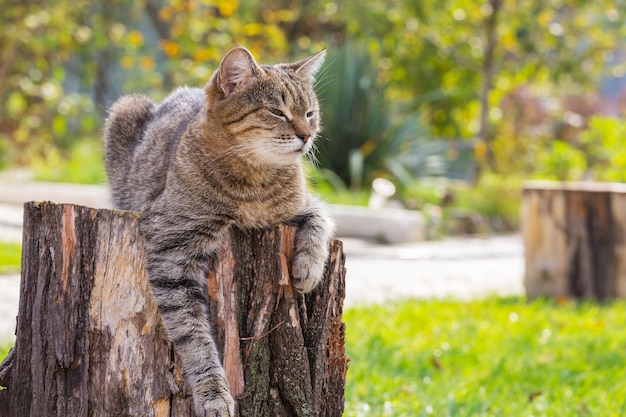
(63, 62)
(368, 136)
(33, 41)
(450, 49)
(453, 61)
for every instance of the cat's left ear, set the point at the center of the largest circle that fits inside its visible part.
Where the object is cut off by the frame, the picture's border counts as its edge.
(238, 67)
(309, 66)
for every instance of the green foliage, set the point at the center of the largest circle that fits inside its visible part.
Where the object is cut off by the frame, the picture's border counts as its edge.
(597, 152)
(493, 357)
(496, 198)
(82, 165)
(37, 112)
(429, 46)
(417, 64)
(10, 257)
(560, 161)
(605, 150)
(421, 193)
(332, 189)
(5, 347)
(367, 135)
(62, 65)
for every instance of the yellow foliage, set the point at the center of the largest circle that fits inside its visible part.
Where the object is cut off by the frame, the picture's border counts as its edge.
(270, 16)
(147, 63)
(544, 18)
(368, 147)
(227, 7)
(508, 40)
(304, 42)
(252, 29)
(480, 150)
(165, 14)
(178, 30)
(202, 55)
(135, 38)
(169, 47)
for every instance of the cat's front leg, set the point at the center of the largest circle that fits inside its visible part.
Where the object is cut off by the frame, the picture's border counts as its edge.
(177, 271)
(316, 228)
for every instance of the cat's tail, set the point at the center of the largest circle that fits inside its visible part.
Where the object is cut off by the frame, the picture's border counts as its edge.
(123, 130)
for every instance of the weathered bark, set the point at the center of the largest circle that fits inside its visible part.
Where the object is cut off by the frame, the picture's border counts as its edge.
(90, 341)
(574, 238)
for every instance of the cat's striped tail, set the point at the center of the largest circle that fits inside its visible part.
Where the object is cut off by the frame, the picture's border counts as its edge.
(123, 130)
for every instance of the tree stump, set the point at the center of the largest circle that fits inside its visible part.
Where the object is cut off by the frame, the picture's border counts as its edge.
(90, 341)
(575, 239)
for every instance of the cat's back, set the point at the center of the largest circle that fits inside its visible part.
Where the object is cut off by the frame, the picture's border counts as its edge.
(138, 172)
(170, 120)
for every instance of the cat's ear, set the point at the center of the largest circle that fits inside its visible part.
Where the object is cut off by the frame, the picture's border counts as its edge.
(309, 66)
(238, 67)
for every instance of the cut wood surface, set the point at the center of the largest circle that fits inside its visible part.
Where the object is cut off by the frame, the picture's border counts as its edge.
(90, 341)
(574, 239)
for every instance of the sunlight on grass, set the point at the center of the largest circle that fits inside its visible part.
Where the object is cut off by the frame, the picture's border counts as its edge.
(497, 357)
(10, 257)
(5, 347)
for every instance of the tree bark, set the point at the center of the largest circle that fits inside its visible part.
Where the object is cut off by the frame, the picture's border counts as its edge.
(90, 340)
(574, 239)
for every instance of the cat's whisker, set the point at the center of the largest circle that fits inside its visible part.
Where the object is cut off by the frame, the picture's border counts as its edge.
(320, 88)
(312, 155)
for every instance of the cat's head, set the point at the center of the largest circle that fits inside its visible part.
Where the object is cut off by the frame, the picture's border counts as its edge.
(271, 112)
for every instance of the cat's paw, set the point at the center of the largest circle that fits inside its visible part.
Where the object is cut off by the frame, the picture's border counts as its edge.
(220, 407)
(307, 269)
(215, 401)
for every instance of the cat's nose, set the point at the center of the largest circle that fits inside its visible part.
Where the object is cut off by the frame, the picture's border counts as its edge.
(304, 136)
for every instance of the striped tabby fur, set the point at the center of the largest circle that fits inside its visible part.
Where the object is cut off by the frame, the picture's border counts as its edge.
(203, 161)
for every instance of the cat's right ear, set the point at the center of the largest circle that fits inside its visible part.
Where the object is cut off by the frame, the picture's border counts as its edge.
(238, 67)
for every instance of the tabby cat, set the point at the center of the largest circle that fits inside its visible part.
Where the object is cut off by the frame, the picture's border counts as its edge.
(203, 161)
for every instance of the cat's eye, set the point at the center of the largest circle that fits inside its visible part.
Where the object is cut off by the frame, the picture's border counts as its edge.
(277, 112)
(310, 114)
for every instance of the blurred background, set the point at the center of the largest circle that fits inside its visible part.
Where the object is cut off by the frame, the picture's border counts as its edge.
(455, 102)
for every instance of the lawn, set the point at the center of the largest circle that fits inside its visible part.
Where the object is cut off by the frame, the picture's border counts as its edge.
(4, 349)
(495, 357)
(10, 257)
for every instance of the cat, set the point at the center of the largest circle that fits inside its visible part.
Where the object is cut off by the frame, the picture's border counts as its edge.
(203, 161)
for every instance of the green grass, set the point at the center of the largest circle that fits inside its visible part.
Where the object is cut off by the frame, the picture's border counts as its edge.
(10, 257)
(4, 349)
(495, 357)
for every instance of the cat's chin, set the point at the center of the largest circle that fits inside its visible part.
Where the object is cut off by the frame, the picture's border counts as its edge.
(289, 159)
(283, 158)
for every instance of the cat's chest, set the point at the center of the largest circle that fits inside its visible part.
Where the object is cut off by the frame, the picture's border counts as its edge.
(267, 213)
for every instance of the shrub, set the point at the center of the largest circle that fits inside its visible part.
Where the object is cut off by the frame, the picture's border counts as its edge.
(368, 135)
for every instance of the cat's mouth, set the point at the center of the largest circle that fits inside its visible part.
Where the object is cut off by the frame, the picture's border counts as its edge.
(296, 154)
(286, 152)
(297, 148)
